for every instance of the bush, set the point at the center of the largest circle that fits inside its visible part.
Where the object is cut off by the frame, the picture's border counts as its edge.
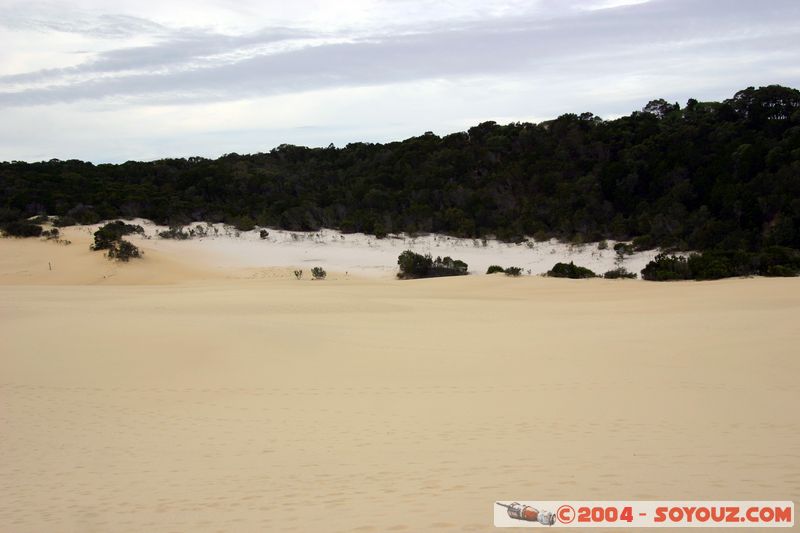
(298, 274)
(318, 273)
(513, 271)
(619, 273)
(51, 234)
(123, 250)
(413, 265)
(570, 270)
(667, 268)
(21, 229)
(263, 234)
(112, 232)
(494, 269)
(716, 264)
(174, 232)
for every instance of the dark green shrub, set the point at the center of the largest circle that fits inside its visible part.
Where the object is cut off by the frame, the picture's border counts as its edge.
(318, 273)
(570, 270)
(414, 265)
(494, 269)
(513, 271)
(619, 273)
(175, 232)
(113, 232)
(298, 274)
(51, 234)
(446, 266)
(263, 234)
(667, 268)
(21, 229)
(123, 250)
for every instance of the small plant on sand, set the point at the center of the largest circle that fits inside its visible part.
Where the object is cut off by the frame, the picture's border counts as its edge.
(51, 234)
(513, 271)
(122, 250)
(109, 237)
(495, 269)
(263, 234)
(318, 273)
(112, 232)
(619, 273)
(298, 274)
(570, 270)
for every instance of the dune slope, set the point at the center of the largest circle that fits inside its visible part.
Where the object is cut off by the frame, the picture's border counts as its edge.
(379, 405)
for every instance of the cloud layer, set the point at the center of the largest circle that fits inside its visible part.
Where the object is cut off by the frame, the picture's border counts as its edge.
(606, 53)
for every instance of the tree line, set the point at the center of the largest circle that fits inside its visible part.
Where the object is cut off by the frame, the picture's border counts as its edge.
(719, 176)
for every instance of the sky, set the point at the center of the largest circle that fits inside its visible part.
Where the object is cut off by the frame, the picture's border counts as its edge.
(143, 79)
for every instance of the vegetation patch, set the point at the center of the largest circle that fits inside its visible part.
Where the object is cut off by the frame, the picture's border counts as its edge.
(772, 261)
(413, 265)
(570, 270)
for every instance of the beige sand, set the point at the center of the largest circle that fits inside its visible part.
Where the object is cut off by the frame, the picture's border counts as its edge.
(132, 403)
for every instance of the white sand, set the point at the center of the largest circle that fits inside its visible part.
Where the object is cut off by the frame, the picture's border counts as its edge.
(360, 254)
(161, 396)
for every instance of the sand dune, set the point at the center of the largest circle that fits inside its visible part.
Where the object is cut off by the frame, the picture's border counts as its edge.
(168, 395)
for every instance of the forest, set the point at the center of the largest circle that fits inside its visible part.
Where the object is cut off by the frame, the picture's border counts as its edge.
(705, 176)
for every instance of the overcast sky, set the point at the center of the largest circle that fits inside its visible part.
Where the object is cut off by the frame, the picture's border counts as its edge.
(145, 79)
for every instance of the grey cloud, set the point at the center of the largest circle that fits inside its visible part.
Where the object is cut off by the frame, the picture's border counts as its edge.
(649, 36)
(51, 17)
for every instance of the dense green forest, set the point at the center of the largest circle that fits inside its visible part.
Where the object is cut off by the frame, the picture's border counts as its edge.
(705, 176)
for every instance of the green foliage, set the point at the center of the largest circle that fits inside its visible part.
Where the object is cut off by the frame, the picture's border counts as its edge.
(122, 250)
(570, 270)
(716, 264)
(112, 232)
(494, 269)
(667, 268)
(513, 271)
(174, 232)
(263, 234)
(414, 265)
(51, 234)
(619, 273)
(709, 176)
(64, 221)
(318, 273)
(298, 274)
(244, 223)
(21, 229)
